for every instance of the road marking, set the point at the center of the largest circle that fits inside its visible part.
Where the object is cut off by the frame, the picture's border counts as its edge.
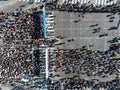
(83, 19)
(62, 29)
(86, 19)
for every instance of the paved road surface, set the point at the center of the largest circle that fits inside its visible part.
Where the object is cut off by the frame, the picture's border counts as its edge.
(81, 31)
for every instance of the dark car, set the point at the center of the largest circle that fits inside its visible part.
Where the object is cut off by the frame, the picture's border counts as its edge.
(103, 35)
(69, 40)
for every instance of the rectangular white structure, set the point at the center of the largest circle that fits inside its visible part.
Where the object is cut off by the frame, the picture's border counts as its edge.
(75, 1)
(50, 21)
(99, 2)
(51, 15)
(50, 18)
(105, 2)
(50, 30)
(46, 60)
(50, 27)
(85, 1)
(81, 1)
(102, 2)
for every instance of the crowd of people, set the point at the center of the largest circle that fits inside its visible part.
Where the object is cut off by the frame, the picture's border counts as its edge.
(88, 7)
(21, 36)
(99, 68)
(18, 37)
(90, 63)
(80, 84)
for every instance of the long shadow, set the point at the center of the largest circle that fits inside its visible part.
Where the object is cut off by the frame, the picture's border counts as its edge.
(112, 17)
(110, 41)
(76, 21)
(112, 28)
(94, 25)
(60, 37)
(115, 28)
(59, 44)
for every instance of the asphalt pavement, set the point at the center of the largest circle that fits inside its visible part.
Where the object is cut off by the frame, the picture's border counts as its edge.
(79, 27)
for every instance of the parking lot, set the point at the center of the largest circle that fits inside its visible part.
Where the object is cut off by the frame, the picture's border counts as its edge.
(81, 27)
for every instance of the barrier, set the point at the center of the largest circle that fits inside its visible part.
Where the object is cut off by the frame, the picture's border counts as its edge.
(44, 22)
